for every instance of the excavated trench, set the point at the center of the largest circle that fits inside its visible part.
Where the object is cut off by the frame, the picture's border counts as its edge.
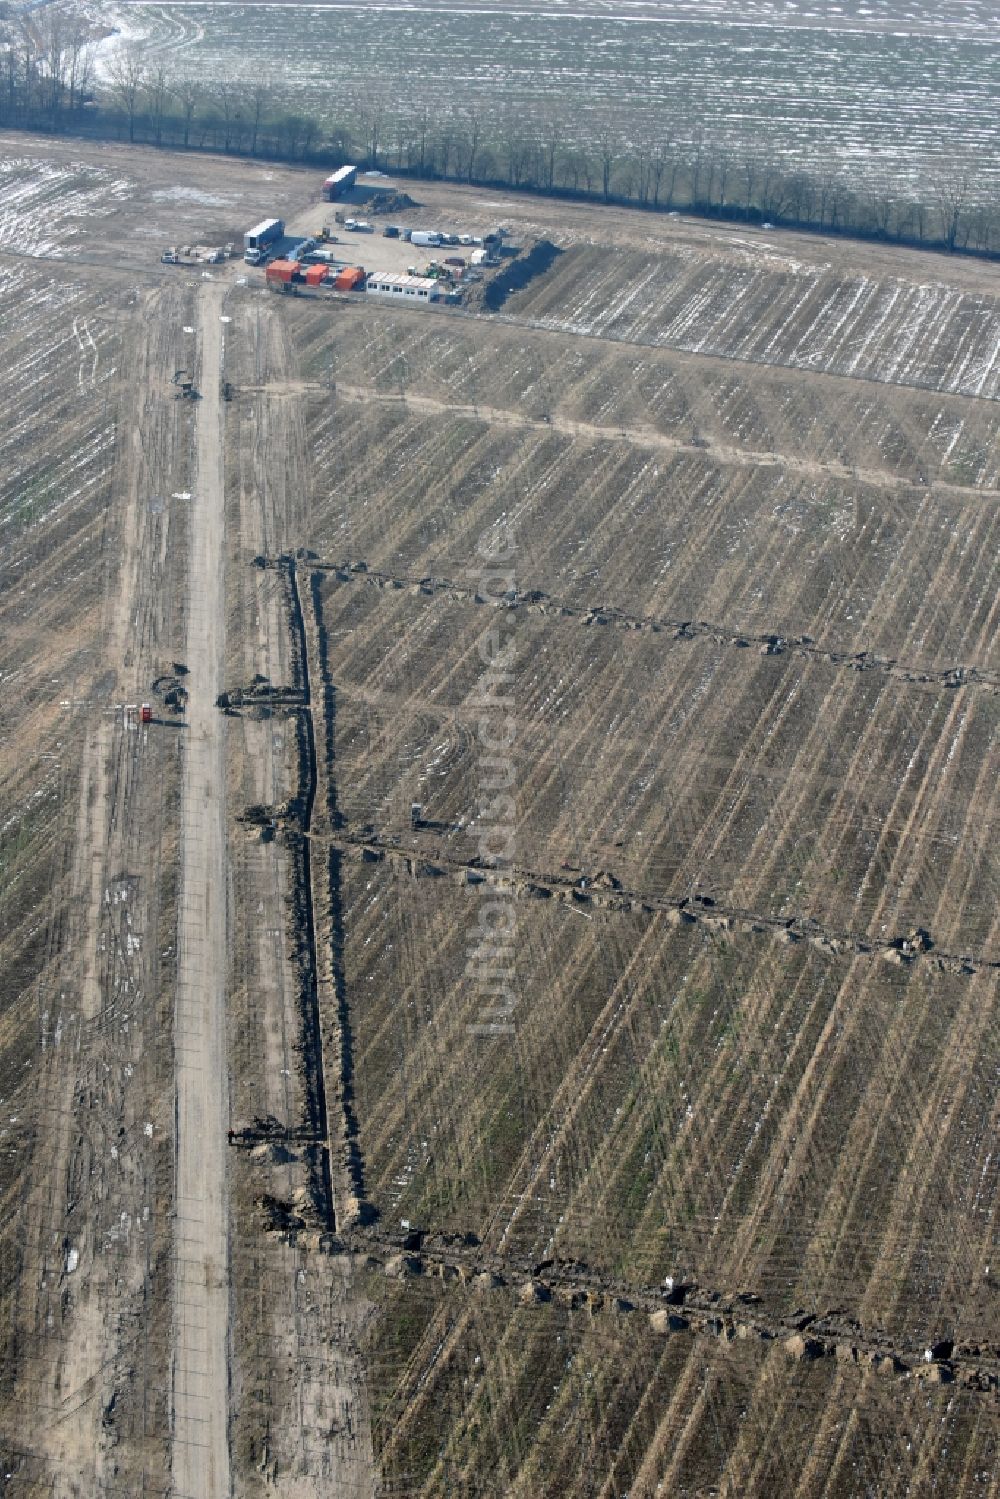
(298, 823)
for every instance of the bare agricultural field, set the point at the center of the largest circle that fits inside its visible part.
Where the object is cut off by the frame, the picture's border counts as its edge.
(42, 203)
(679, 1100)
(120, 207)
(803, 316)
(751, 875)
(276, 1185)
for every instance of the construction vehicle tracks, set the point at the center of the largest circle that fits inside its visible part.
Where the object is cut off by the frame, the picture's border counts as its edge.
(609, 616)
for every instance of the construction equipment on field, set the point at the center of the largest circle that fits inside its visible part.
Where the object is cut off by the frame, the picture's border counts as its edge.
(185, 385)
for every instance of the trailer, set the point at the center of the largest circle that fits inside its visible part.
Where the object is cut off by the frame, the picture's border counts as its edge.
(339, 182)
(258, 241)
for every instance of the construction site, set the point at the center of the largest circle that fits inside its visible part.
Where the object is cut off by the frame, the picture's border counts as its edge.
(498, 867)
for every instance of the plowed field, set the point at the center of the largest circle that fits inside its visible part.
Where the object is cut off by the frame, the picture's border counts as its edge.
(751, 891)
(521, 1019)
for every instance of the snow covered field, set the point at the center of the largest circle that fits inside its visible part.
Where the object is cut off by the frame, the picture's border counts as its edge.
(895, 94)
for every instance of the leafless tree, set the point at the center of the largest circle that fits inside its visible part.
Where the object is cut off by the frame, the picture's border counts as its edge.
(750, 173)
(189, 93)
(401, 138)
(158, 92)
(696, 166)
(664, 166)
(723, 171)
(983, 227)
(773, 193)
(420, 130)
(53, 40)
(370, 109)
(299, 134)
(800, 194)
(260, 93)
(572, 168)
(126, 72)
(79, 66)
(639, 175)
(516, 146)
(951, 195)
(473, 141)
(608, 148)
(551, 145)
(444, 146)
(879, 204)
(227, 98)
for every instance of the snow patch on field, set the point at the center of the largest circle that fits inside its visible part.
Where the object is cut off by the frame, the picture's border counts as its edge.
(43, 204)
(930, 336)
(189, 195)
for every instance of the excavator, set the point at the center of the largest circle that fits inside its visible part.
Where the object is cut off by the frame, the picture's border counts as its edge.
(184, 385)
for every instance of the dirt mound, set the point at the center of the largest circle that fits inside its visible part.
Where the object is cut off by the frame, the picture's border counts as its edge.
(519, 273)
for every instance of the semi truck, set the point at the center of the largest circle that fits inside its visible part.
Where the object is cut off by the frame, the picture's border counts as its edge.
(339, 183)
(258, 240)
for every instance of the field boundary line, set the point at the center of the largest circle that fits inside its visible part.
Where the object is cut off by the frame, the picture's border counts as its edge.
(646, 438)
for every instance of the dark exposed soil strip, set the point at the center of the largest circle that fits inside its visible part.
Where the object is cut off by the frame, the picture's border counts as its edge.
(535, 601)
(298, 824)
(602, 891)
(353, 1163)
(520, 273)
(306, 823)
(678, 1308)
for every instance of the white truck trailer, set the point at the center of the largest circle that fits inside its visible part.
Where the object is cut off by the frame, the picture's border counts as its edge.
(257, 241)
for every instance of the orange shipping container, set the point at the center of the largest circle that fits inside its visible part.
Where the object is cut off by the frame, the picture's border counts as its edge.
(350, 278)
(282, 270)
(315, 274)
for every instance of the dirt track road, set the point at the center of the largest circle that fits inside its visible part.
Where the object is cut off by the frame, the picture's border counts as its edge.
(200, 1363)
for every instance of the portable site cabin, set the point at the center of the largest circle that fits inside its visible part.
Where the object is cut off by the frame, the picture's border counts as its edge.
(283, 270)
(415, 289)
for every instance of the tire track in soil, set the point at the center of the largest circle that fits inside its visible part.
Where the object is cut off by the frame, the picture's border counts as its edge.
(199, 1375)
(102, 1040)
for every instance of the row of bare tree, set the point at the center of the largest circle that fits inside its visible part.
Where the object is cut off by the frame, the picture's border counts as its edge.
(49, 83)
(46, 65)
